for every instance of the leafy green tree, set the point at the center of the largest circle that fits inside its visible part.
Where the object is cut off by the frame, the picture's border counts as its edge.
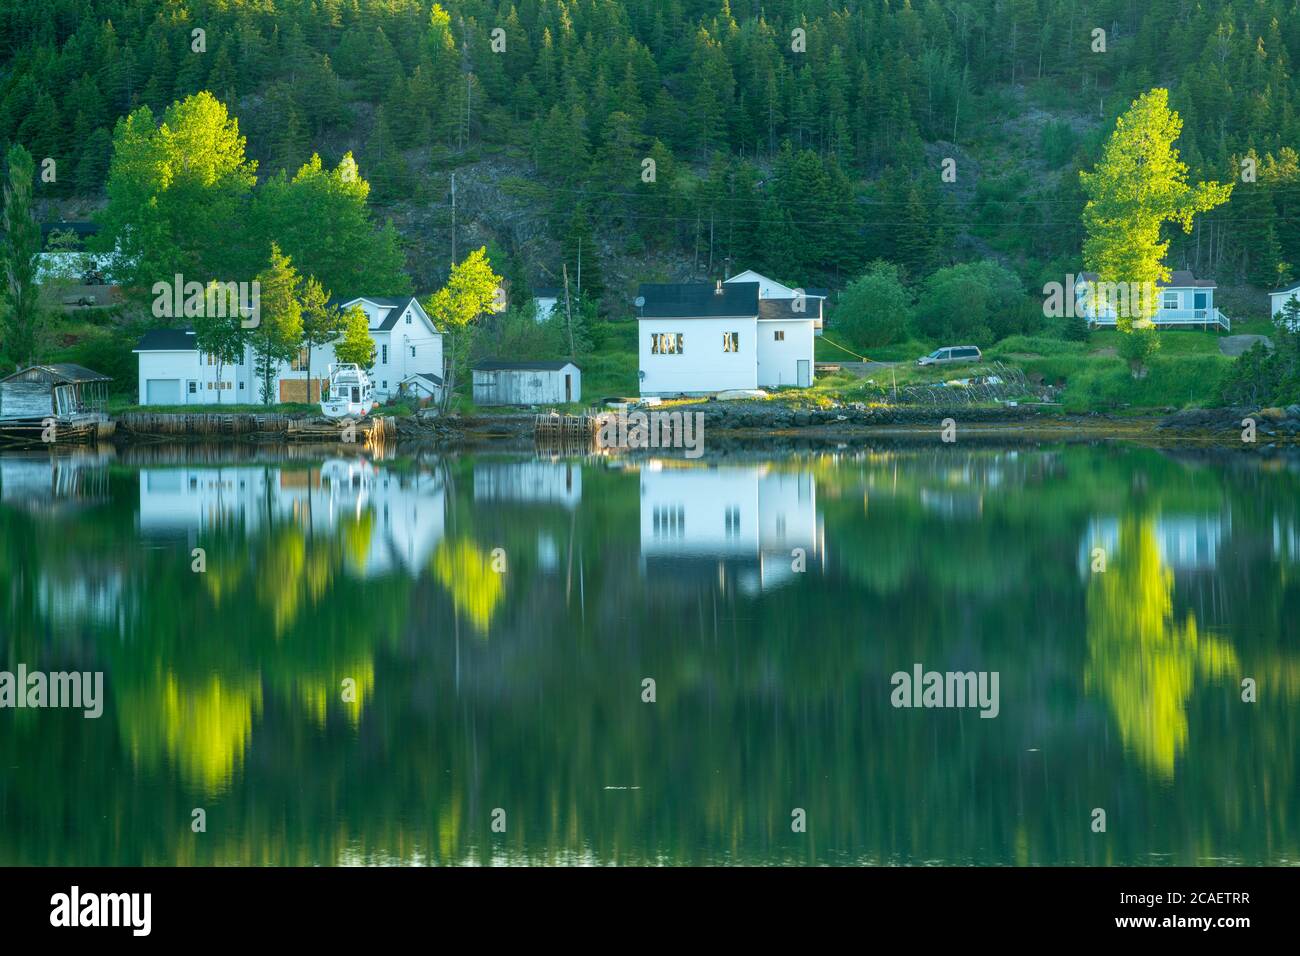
(219, 330)
(975, 303)
(23, 316)
(321, 321)
(321, 221)
(177, 193)
(356, 346)
(471, 291)
(1139, 185)
(875, 309)
(278, 335)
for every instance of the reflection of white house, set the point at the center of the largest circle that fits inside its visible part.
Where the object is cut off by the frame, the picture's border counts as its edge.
(1183, 302)
(739, 522)
(405, 512)
(695, 338)
(1186, 542)
(174, 372)
(529, 482)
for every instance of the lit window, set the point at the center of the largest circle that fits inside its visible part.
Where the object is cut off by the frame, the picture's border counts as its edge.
(667, 343)
(300, 361)
(731, 341)
(779, 335)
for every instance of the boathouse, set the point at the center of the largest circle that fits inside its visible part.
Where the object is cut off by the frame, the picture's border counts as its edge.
(72, 396)
(526, 383)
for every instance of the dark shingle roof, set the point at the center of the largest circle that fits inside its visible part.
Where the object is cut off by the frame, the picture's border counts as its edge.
(1286, 288)
(698, 300)
(547, 292)
(492, 365)
(785, 309)
(167, 340)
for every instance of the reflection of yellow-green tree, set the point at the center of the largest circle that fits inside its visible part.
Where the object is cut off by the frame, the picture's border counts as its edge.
(1140, 659)
(202, 728)
(466, 572)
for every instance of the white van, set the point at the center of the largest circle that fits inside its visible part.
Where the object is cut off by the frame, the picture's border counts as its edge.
(950, 355)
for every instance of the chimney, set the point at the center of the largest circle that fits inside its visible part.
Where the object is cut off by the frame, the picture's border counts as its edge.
(718, 290)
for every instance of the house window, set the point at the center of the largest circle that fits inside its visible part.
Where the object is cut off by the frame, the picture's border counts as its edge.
(299, 363)
(384, 352)
(779, 335)
(384, 384)
(408, 318)
(194, 388)
(731, 341)
(412, 351)
(1169, 300)
(667, 343)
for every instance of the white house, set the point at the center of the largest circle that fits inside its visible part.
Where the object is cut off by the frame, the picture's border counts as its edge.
(408, 357)
(1278, 297)
(696, 338)
(1183, 302)
(526, 383)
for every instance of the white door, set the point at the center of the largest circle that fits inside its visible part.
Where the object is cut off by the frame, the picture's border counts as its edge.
(805, 379)
(162, 391)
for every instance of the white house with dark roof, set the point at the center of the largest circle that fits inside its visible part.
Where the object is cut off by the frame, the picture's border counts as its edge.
(771, 289)
(1183, 302)
(698, 339)
(408, 357)
(1279, 297)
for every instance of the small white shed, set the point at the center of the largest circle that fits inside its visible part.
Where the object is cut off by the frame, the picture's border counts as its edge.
(526, 383)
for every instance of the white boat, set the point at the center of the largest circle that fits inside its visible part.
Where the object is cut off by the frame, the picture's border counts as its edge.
(350, 392)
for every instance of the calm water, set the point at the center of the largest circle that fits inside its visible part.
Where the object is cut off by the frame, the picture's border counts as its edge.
(770, 600)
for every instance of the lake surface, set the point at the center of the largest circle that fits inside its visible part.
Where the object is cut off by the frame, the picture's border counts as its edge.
(379, 658)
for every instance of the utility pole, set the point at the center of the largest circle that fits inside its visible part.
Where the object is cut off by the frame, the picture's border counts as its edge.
(453, 220)
(568, 310)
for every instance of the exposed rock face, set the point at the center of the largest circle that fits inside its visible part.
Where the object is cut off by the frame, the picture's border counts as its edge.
(1271, 424)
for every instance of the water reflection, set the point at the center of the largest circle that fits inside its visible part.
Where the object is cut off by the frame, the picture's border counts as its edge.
(357, 660)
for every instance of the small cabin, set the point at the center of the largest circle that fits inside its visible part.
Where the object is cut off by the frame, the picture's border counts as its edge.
(63, 391)
(526, 383)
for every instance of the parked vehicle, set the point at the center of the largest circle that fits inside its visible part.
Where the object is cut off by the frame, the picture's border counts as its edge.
(950, 355)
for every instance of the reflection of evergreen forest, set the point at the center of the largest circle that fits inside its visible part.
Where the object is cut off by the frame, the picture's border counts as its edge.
(522, 690)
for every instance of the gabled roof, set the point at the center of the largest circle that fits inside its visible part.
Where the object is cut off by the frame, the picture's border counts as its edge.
(757, 276)
(1178, 279)
(168, 340)
(784, 309)
(435, 380)
(1293, 287)
(492, 365)
(698, 300)
(58, 373)
(391, 308)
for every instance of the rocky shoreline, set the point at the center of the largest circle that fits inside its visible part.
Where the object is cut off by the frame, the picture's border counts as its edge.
(778, 423)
